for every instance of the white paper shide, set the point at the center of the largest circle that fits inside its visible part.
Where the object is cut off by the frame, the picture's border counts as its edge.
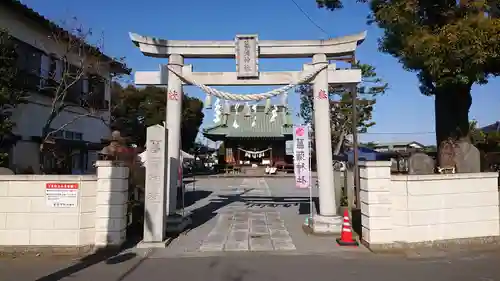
(301, 157)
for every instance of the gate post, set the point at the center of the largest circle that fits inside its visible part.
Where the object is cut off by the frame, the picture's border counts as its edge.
(173, 124)
(328, 221)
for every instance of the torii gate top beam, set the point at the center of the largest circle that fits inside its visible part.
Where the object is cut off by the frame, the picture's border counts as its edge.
(162, 48)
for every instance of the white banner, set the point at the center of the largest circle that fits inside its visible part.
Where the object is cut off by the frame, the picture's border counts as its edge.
(301, 157)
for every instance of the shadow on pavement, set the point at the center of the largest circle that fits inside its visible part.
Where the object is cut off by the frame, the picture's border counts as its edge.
(109, 256)
(203, 214)
(356, 221)
(193, 196)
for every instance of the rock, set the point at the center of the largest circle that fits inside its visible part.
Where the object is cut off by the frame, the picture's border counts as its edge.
(420, 164)
(467, 158)
(6, 171)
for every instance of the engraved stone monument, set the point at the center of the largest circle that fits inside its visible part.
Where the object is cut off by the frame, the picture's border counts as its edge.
(420, 164)
(156, 187)
(467, 158)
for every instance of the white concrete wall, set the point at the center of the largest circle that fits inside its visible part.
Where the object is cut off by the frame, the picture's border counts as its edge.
(422, 208)
(99, 218)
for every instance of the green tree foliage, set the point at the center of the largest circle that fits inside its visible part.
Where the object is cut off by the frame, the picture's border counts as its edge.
(10, 94)
(369, 144)
(341, 105)
(136, 109)
(450, 44)
(486, 141)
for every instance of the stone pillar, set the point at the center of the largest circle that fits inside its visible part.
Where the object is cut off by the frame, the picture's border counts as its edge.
(155, 211)
(338, 177)
(111, 203)
(173, 122)
(323, 138)
(375, 202)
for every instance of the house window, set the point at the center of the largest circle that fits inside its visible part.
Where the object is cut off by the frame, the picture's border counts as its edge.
(85, 86)
(68, 135)
(56, 69)
(45, 63)
(57, 134)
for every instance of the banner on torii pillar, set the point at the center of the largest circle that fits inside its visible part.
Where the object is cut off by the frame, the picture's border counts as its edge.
(301, 157)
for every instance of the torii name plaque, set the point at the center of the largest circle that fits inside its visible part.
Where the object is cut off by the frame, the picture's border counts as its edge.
(247, 56)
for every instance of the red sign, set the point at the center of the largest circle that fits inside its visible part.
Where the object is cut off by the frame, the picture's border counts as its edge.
(61, 186)
(173, 95)
(299, 131)
(322, 95)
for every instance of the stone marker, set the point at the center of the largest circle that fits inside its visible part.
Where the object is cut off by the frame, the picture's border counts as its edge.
(420, 164)
(467, 158)
(156, 186)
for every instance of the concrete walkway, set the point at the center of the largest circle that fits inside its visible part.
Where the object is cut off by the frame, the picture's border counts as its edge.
(252, 214)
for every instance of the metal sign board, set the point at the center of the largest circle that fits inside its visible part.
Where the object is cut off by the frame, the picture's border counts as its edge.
(61, 195)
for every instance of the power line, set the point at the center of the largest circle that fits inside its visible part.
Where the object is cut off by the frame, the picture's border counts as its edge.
(309, 18)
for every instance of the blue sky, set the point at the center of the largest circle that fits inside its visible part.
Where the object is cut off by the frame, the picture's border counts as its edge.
(402, 114)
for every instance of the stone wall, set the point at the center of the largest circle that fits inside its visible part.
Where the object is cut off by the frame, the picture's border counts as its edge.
(407, 209)
(98, 219)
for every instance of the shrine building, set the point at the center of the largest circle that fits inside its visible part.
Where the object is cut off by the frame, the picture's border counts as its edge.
(256, 139)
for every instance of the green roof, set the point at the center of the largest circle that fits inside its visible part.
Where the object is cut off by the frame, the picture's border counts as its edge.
(281, 127)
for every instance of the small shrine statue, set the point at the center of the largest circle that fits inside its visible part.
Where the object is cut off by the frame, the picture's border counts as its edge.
(111, 151)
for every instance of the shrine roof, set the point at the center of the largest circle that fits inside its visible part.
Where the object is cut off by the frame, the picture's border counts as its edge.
(281, 127)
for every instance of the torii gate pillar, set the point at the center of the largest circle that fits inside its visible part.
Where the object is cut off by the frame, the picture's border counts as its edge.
(323, 136)
(173, 114)
(328, 220)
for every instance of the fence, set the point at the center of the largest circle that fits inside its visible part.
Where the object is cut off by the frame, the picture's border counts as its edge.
(64, 210)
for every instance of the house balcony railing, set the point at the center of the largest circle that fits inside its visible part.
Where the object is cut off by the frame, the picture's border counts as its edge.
(32, 82)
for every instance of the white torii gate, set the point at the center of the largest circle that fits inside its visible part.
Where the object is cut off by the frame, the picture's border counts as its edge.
(247, 49)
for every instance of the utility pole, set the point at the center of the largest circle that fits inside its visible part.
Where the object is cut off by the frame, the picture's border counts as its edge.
(355, 143)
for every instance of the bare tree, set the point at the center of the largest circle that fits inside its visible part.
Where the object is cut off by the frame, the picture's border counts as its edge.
(74, 75)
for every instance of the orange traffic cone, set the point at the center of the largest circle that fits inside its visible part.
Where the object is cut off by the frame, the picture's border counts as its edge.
(346, 234)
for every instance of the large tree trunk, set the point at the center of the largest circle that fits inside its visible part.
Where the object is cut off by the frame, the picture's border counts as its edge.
(452, 104)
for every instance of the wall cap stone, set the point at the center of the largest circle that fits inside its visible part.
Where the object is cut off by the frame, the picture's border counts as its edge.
(71, 178)
(375, 164)
(444, 176)
(108, 163)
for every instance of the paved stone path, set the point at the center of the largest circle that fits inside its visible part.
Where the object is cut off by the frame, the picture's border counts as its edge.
(249, 230)
(250, 215)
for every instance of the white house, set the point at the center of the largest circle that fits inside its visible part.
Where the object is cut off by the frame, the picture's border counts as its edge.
(40, 54)
(398, 146)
